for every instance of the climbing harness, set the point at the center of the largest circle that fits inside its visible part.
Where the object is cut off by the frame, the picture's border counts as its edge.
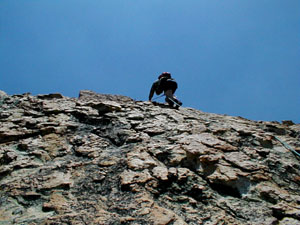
(287, 146)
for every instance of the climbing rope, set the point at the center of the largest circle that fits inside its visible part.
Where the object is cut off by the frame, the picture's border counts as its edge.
(287, 146)
(158, 97)
(173, 101)
(168, 98)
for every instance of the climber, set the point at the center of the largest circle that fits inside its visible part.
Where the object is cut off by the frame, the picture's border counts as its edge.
(168, 85)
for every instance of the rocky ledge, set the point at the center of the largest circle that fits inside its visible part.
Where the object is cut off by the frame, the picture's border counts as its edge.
(106, 159)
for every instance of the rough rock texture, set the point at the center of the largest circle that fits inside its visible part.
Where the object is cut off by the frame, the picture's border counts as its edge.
(105, 159)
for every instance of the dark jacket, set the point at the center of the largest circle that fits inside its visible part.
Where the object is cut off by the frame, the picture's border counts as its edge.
(162, 84)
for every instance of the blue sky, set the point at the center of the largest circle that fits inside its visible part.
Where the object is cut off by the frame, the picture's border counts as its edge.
(235, 57)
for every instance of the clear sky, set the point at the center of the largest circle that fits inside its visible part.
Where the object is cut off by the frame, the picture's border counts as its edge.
(234, 57)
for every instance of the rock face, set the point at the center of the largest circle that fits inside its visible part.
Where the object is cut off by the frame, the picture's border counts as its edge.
(105, 159)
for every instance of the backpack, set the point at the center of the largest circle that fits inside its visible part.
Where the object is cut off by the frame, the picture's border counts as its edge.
(164, 84)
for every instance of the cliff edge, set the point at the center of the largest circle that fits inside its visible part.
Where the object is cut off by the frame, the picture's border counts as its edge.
(107, 159)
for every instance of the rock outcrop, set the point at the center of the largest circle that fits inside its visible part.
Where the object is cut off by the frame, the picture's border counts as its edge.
(106, 159)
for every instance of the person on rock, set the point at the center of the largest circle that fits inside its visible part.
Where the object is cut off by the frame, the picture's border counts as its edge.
(168, 85)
